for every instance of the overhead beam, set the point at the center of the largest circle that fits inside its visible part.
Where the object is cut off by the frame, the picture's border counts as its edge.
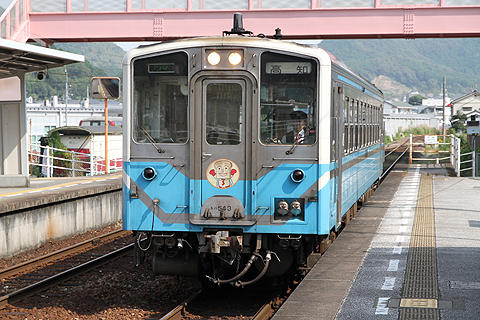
(356, 23)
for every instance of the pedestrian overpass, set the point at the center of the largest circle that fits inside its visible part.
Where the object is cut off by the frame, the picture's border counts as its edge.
(47, 21)
(50, 21)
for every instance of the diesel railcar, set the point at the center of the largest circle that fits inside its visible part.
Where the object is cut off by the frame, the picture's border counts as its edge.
(242, 154)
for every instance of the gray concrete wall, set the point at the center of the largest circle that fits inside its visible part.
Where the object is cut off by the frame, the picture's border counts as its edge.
(27, 227)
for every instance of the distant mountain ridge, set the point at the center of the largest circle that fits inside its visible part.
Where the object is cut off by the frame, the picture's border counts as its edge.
(103, 55)
(418, 64)
(395, 66)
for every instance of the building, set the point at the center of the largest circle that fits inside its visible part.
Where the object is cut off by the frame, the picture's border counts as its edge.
(467, 103)
(45, 116)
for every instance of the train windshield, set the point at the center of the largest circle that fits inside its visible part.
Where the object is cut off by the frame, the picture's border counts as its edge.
(288, 99)
(160, 102)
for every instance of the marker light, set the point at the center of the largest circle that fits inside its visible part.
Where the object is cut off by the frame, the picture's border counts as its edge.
(213, 58)
(296, 208)
(282, 208)
(234, 58)
(149, 173)
(297, 175)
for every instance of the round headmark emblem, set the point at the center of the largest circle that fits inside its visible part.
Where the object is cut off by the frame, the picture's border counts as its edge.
(223, 173)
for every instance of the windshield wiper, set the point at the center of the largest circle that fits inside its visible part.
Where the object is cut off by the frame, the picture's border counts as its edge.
(305, 130)
(150, 139)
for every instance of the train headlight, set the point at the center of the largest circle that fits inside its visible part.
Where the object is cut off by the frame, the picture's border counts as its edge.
(149, 173)
(282, 207)
(234, 58)
(297, 175)
(213, 58)
(296, 208)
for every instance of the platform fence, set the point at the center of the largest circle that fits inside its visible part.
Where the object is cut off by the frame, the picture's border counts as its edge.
(46, 161)
(432, 144)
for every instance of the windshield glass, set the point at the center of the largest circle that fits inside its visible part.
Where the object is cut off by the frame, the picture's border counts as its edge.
(160, 99)
(288, 99)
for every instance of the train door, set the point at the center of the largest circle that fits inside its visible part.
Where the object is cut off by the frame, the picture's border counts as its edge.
(337, 147)
(223, 157)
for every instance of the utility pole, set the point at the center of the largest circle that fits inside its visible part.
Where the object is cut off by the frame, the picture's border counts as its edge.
(66, 96)
(444, 113)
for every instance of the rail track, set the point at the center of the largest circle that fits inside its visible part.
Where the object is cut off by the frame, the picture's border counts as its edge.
(203, 304)
(28, 278)
(200, 306)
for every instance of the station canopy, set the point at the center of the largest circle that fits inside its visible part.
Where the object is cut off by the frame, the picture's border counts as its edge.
(18, 58)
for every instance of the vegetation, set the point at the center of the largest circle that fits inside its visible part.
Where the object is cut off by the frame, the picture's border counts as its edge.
(101, 60)
(458, 122)
(416, 100)
(419, 64)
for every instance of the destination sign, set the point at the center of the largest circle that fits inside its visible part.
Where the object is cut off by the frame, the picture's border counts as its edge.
(161, 68)
(288, 68)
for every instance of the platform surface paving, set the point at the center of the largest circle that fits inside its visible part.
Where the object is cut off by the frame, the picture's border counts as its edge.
(422, 262)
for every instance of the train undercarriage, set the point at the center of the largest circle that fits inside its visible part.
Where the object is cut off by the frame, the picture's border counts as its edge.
(227, 256)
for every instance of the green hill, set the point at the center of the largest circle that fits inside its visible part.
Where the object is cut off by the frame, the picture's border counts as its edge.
(101, 60)
(397, 66)
(103, 55)
(418, 64)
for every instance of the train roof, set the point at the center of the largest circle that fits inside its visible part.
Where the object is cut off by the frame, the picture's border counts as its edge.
(326, 58)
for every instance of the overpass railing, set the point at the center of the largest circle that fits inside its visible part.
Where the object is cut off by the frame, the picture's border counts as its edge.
(14, 20)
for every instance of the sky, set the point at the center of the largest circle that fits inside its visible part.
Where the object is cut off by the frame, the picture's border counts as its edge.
(5, 4)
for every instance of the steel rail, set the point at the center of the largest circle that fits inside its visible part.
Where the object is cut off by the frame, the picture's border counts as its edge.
(387, 171)
(63, 276)
(87, 244)
(179, 311)
(268, 309)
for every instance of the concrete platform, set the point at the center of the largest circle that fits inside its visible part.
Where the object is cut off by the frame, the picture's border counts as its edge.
(56, 208)
(43, 191)
(362, 275)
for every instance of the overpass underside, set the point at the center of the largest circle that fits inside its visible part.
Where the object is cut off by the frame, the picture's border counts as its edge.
(154, 20)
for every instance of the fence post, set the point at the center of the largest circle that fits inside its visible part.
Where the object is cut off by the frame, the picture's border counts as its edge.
(49, 174)
(474, 164)
(411, 148)
(73, 164)
(458, 153)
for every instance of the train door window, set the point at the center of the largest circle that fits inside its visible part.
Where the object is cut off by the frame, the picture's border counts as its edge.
(224, 113)
(346, 125)
(372, 138)
(351, 124)
(160, 99)
(369, 140)
(364, 124)
(358, 141)
(288, 99)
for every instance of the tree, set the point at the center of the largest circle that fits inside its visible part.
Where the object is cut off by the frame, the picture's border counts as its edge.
(416, 100)
(458, 121)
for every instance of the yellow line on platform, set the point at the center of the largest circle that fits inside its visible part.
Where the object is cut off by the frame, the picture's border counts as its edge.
(79, 181)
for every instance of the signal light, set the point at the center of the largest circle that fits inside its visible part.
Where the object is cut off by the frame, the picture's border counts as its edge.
(149, 173)
(297, 175)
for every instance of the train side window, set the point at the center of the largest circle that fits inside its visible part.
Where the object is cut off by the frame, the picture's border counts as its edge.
(160, 99)
(288, 99)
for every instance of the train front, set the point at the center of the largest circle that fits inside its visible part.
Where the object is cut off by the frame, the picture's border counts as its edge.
(224, 174)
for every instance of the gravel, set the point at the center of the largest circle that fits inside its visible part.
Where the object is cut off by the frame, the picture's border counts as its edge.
(121, 291)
